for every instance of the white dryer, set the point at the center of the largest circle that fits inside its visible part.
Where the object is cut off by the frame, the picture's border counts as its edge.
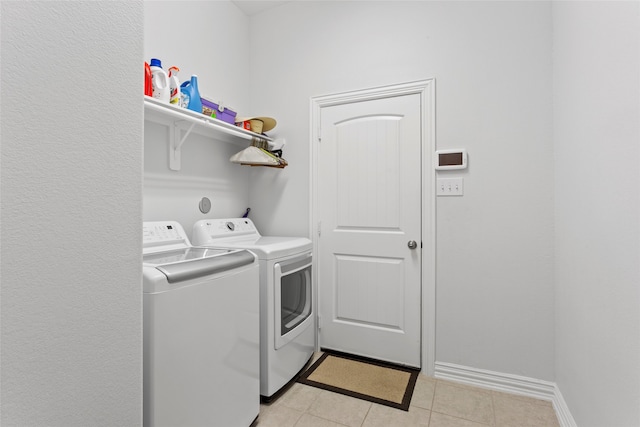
(201, 350)
(287, 316)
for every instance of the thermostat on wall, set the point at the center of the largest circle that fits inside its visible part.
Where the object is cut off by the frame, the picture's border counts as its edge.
(451, 159)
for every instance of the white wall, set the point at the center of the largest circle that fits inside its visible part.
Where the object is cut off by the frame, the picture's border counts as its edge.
(71, 176)
(211, 40)
(492, 65)
(597, 156)
(71, 213)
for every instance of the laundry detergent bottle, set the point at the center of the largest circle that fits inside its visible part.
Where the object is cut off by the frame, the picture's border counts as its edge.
(160, 81)
(148, 86)
(190, 91)
(174, 86)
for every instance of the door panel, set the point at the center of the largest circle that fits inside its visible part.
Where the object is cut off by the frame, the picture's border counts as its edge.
(360, 283)
(369, 196)
(365, 199)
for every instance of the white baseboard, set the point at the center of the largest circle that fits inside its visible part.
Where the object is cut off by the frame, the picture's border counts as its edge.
(508, 383)
(562, 410)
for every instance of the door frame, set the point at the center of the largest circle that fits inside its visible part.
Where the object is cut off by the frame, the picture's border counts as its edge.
(426, 90)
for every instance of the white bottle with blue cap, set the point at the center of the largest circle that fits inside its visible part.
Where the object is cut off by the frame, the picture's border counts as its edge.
(160, 81)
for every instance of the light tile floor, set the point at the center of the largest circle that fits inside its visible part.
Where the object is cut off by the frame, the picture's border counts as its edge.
(435, 403)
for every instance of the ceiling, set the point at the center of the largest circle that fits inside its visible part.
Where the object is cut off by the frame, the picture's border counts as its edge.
(251, 7)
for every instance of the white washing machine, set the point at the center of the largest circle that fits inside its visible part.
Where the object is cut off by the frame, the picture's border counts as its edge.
(201, 332)
(287, 316)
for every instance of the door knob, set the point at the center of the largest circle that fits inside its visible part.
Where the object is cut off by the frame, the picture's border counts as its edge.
(412, 244)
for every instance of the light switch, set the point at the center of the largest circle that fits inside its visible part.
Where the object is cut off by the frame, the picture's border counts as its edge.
(449, 187)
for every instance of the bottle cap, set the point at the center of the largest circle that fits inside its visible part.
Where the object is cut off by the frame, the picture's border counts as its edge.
(156, 63)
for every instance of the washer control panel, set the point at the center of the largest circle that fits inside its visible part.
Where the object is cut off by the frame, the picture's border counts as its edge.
(167, 234)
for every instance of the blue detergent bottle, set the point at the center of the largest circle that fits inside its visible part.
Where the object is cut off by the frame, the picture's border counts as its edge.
(190, 91)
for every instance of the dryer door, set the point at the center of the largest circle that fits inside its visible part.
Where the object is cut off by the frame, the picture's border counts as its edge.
(293, 303)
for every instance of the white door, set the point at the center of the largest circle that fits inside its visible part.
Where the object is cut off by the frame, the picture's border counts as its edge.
(369, 217)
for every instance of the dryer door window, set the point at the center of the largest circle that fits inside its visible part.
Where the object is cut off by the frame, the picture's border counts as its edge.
(293, 298)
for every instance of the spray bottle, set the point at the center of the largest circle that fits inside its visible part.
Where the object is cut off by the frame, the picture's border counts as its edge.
(174, 86)
(160, 81)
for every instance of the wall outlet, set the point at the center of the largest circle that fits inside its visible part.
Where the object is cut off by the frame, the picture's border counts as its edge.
(449, 187)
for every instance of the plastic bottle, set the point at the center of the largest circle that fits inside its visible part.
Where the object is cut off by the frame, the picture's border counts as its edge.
(174, 86)
(160, 81)
(190, 89)
(148, 86)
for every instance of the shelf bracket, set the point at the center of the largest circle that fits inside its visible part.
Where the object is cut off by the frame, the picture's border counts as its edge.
(175, 145)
